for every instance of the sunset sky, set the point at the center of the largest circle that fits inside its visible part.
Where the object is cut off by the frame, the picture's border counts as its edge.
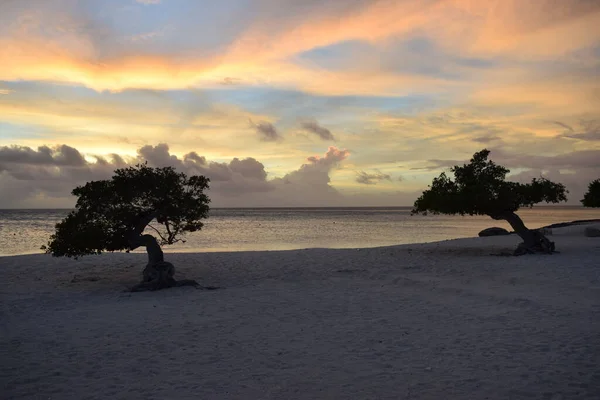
(296, 102)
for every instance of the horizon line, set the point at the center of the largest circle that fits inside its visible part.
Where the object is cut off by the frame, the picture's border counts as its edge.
(305, 207)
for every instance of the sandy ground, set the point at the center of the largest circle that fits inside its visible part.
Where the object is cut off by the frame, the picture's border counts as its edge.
(447, 320)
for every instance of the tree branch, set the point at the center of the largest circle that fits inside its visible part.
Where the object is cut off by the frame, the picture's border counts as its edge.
(135, 238)
(158, 232)
(171, 235)
(143, 222)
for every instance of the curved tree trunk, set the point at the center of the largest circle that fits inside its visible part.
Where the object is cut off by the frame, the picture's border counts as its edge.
(533, 241)
(158, 273)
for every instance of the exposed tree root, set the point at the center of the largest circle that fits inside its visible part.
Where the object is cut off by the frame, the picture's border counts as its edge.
(538, 243)
(159, 275)
(153, 285)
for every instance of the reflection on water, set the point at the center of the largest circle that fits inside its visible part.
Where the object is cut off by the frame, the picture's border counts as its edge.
(24, 231)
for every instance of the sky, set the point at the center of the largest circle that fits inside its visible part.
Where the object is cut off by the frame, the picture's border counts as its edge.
(286, 103)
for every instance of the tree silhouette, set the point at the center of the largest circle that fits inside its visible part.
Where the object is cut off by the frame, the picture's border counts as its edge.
(111, 215)
(592, 197)
(479, 188)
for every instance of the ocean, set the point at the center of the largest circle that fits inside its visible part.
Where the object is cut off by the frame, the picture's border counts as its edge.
(241, 229)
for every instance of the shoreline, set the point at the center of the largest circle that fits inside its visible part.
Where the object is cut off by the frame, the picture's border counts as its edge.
(167, 249)
(572, 223)
(302, 208)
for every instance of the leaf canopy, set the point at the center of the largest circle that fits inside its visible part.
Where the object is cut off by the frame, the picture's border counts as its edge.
(109, 211)
(480, 188)
(592, 197)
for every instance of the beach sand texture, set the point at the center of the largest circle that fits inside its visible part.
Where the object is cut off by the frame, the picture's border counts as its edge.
(446, 320)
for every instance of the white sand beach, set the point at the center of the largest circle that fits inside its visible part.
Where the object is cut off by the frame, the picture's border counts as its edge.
(446, 320)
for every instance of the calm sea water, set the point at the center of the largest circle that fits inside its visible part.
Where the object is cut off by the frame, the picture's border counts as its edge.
(24, 231)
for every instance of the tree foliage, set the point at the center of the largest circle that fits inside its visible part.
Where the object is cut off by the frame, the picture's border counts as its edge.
(480, 188)
(592, 197)
(108, 212)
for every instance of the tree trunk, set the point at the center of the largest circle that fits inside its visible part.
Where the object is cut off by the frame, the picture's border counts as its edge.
(158, 273)
(533, 241)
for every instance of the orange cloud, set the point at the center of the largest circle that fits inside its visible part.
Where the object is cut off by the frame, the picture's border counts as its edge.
(260, 54)
(548, 96)
(538, 28)
(35, 60)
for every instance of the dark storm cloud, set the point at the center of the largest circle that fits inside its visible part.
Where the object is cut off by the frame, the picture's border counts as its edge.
(54, 172)
(266, 131)
(249, 168)
(194, 157)
(238, 175)
(486, 139)
(62, 155)
(435, 164)
(314, 127)
(588, 131)
(573, 169)
(371, 178)
(571, 160)
(45, 177)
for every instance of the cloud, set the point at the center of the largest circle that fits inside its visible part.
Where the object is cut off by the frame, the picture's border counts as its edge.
(572, 160)
(159, 156)
(563, 125)
(230, 81)
(589, 131)
(436, 164)
(62, 155)
(365, 178)
(47, 176)
(266, 131)
(148, 2)
(44, 177)
(332, 157)
(575, 182)
(5, 91)
(75, 44)
(248, 168)
(315, 172)
(485, 139)
(57, 170)
(309, 185)
(237, 177)
(405, 81)
(314, 127)
(146, 36)
(574, 169)
(40, 113)
(534, 90)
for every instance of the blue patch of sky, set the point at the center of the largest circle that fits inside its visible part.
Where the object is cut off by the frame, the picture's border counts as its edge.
(419, 56)
(72, 93)
(338, 55)
(194, 28)
(583, 62)
(15, 132)
(287, 106)
(293, 104)
(47, 89)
